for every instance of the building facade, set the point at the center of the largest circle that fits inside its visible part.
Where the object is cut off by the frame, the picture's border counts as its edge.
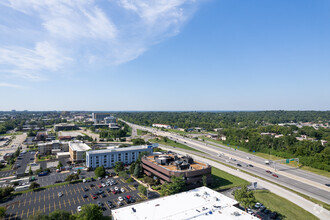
(49, 147)
(168, 165)
(99, 117)
(109, 157)
(64, 127)
(77, 150)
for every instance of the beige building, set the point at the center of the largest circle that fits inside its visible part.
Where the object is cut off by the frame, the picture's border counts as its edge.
(53, 146)
(77, 150)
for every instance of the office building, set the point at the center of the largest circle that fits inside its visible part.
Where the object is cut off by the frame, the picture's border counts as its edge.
(167, 165)
(77, 150)
(99, 117)
(53, 146)
(64, 127)
(108, 157)
(200, 203)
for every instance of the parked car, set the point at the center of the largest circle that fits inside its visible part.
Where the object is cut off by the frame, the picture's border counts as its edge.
(257, 205)
(91, 185)
(94, 196)
(100, 185)
(100, 192)
(79, 208)
(120, 198)
(109, 203)
(85, 196)
(122, 190)
(85, 189)
(60, 194)
(103, 196)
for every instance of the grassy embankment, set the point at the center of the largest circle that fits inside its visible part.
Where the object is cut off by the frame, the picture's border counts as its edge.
(287, 209)
(223, 180)
(173, 144)
(272, 157)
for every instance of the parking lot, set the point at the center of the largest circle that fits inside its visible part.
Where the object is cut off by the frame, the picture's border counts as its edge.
(47, 200)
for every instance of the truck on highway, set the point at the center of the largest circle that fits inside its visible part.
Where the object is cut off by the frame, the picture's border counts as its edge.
(267, 162)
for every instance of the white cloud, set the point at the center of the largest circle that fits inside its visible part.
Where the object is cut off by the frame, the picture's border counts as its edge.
(9, 85)
(27, 63)
(86, 32)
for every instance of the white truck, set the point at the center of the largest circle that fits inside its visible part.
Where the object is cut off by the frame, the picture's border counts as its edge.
(267, 162)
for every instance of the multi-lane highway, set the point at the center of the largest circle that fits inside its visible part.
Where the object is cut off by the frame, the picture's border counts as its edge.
(301, 181)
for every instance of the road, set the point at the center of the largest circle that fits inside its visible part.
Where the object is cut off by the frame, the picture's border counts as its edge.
(311, 207)
(298, 180)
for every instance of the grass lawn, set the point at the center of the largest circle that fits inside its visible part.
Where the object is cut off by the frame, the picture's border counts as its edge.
(223, 180)
(283, 206)
(173, 144)
(272, 157)
(139, 132)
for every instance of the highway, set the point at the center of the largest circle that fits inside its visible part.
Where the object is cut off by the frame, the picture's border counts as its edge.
(301, 181)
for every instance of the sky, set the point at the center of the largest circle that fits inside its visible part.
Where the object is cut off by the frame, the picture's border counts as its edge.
(164, 55)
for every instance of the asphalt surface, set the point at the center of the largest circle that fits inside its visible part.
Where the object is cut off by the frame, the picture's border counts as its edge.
(46, 201)
(307, 189)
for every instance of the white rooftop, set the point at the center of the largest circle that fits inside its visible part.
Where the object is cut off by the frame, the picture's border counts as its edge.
(78, 146)
(104, 151)
(200, 203)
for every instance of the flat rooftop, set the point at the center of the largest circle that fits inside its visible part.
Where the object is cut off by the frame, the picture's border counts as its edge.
(196, 165)
(132, 148)
(199, 203)
(78, 146)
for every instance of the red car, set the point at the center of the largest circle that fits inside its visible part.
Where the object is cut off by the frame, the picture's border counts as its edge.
(94, 196)
(100, 185)
(268, 171)
(274, 175)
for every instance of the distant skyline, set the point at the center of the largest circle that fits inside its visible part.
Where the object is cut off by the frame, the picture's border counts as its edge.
(164, 55)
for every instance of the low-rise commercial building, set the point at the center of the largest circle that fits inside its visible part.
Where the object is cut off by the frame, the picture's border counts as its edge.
(64, 127)
(77, 150)
(52, 146)
(167, 165)
(99, 117)
(199, 203)
(108, 157)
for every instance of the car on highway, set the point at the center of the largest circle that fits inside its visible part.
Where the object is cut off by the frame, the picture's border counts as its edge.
(239, 165)
(79, 208)
(327, 184)
(250, 165)
(249, 158)
(268, 171)
(274, 175)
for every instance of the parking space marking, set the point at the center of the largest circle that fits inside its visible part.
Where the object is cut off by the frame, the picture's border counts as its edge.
(39, 208)
(74, 201)
(48, 196)
(30, 201)
(39, 198)
(22, 214)
(49, 207)
(33, 211)
(69, 202)
(44, 197)
(44, 208)
(59, 203)
(24, 202)
(27, 214)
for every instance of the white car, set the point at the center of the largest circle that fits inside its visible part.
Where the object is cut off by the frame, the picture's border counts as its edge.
(257, 205)
(79, 208)
(122, 190)
(250, 211)
(60, 194)
(120, 198)
(116, 188)
(84, 181)
(248, 158)
(103, 185)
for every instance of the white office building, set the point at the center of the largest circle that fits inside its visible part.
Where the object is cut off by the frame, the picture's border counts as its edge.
(108, 157)
(201, 203)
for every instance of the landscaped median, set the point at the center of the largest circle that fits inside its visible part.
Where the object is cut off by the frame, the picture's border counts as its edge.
(287, 209)
(169, 142)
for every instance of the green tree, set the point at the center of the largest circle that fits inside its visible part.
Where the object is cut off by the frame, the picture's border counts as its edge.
(90, 211)
(176, 185)
(72, 177)
(142, 189)
(138, 141)
(132, 167)
(245, 197)
(34, 185)
(137, 170)
(204, 180)
(60, 215)
(119, 166)
(2, 211)
(30, 171)
(99, 171)
(38, 216)
(59, 165)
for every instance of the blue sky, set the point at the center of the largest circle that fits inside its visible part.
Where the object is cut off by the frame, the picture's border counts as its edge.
(165, 55)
